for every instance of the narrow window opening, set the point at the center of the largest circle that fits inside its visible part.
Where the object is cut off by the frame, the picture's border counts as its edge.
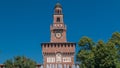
(58, 12)
(58, 19)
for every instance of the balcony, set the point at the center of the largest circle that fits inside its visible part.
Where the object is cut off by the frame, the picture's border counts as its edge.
(52, 27)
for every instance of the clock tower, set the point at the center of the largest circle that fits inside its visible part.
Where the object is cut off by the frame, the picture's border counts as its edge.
(58, 28)
(58, 53)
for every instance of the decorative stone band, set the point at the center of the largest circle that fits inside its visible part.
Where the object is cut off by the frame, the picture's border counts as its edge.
(61, 66)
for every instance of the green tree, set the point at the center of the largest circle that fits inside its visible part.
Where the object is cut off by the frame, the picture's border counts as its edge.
(116, 40)
(20, 62)
(9, 64)
(100, 54)
(105, 55)
(86, 53)
(86, 43)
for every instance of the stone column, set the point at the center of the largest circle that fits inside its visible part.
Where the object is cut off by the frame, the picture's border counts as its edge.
(64, 65)
(68, 66)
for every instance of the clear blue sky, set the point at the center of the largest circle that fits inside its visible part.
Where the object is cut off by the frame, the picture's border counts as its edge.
(24, 24)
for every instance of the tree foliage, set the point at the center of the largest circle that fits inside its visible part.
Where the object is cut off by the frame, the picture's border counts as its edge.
(20, 62)
(116, 40)
(100, 54)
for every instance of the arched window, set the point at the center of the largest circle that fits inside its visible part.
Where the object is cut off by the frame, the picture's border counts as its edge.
(58, 12)
(58, 19)
(45, 46)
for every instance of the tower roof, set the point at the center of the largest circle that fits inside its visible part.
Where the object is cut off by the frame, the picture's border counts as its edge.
(58, 5)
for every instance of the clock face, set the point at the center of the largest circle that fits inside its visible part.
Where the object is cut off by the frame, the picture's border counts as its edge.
(58, 34)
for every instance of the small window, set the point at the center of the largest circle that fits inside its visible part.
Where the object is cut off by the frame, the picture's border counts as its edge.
(61, 45)
(58, 11)
(48, 45)
(45, 46)
(55, 45)
(65, 45)
(58, 45)
(58, 19)
(68, 45)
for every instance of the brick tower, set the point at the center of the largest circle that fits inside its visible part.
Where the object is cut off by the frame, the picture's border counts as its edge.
(58, 53)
